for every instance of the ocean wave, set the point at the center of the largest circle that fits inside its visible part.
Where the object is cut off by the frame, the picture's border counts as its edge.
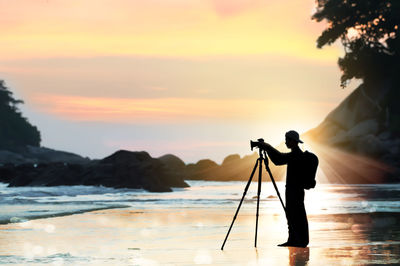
(58, 258)
(17, 201)
(42, 202)
(40, 214)
(42, 191)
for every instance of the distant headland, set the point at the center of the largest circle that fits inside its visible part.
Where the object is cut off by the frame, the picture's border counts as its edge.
(354, 130)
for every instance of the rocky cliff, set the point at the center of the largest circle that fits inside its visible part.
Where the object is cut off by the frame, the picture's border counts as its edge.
(366, 126)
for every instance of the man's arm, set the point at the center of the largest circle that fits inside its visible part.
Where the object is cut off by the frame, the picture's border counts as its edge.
(277, 157)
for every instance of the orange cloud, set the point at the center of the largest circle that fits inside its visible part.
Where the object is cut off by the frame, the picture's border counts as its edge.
(161, 28)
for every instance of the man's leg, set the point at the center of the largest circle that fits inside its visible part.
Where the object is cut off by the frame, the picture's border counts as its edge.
(299, 219)
(296, 218)
(303, 223)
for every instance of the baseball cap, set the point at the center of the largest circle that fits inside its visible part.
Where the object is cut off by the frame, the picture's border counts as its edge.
(293, 135)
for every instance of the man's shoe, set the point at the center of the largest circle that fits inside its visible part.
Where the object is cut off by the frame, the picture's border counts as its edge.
(286, 244)
(292, 244)
(298, 245)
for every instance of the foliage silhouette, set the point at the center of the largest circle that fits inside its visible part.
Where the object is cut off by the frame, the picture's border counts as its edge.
(15, 130)
(369, 32)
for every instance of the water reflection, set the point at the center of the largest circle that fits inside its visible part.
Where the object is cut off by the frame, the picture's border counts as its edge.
(299, 256)
(359, 226)
(365, 238)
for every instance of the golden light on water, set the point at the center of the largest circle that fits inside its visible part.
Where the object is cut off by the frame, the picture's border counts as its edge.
(335, 239)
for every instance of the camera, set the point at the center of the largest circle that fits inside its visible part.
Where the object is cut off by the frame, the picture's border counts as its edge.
(256, 143)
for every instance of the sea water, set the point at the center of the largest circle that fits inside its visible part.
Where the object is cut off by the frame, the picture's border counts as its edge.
(18, 204)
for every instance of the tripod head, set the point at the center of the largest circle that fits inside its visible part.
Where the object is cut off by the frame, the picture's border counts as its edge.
(255, 144)
(263, 153)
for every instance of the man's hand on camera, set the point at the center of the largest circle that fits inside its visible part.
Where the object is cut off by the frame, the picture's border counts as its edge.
(264, 146)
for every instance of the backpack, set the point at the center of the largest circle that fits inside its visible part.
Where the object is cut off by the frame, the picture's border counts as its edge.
(310, 169)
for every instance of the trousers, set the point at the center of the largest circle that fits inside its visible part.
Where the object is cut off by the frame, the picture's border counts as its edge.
(296, 216)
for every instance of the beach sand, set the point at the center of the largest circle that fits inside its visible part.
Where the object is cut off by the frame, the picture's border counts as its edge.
(190, 236)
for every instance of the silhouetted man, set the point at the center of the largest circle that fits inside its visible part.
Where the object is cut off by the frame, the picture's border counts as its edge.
(294, 193)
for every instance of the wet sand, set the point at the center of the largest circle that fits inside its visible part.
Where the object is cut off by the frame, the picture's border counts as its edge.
(183, 236)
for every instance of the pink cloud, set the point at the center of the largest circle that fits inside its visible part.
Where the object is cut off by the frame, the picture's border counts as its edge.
(175, 110)
(146, 110)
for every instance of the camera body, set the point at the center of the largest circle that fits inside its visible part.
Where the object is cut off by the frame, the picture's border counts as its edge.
(256, 143)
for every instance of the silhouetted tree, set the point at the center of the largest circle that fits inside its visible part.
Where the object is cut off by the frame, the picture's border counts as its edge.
(15, 130)
(369, 32)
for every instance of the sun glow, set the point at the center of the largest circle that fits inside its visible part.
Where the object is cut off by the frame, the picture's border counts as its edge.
(164, 110)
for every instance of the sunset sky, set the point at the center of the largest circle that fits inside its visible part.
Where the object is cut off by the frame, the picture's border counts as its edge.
(196, 78)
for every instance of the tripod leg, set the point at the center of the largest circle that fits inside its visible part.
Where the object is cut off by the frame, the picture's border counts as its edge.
(240, 204)
(258, 200)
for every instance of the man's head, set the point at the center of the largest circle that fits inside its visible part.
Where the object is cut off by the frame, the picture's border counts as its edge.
(292, 139)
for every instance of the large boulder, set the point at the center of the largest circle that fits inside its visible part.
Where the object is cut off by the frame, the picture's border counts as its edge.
(127, 157)
(175, 170)
(205, 169)
(231, 159)
(172, 162)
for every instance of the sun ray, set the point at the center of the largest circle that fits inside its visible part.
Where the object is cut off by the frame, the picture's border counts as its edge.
(344, 167)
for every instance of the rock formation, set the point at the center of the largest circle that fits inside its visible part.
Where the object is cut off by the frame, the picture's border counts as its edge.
(38, 155)
(233, 168)
(363, 125)
(121, 169)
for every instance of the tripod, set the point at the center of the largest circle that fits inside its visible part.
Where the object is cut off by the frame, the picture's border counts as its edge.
(262, 157)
